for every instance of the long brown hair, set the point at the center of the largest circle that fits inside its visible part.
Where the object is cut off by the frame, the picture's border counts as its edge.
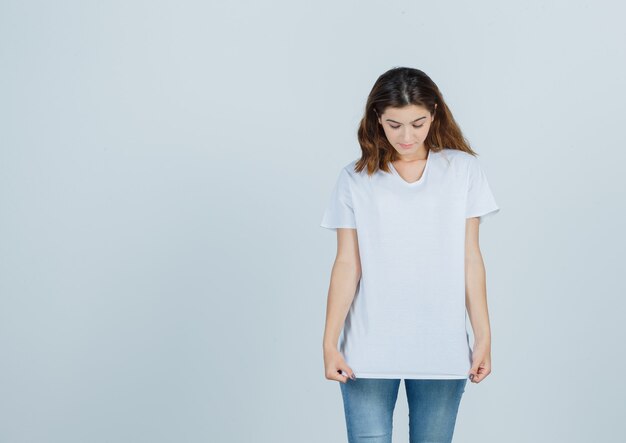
(397, 88)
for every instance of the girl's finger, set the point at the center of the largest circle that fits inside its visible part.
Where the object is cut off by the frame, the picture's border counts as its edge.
(340, 377)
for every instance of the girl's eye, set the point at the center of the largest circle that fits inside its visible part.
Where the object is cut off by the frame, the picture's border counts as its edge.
(416, 127)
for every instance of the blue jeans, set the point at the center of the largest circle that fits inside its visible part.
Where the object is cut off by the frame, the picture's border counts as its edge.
(433, 406)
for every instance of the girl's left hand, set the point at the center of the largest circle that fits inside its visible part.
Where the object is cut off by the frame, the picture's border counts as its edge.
(481, 362)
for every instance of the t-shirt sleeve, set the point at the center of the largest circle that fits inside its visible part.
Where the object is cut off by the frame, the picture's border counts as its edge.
(480, 200)
(339, 212)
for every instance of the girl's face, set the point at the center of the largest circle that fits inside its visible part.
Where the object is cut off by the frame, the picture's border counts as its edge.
(406, 128)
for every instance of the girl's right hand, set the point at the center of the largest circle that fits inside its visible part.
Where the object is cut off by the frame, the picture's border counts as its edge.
(334, 363)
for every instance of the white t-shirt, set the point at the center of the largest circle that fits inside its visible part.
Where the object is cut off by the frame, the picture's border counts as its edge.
(408, 317)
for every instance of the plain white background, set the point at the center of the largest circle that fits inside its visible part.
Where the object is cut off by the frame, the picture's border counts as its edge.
(164, 167)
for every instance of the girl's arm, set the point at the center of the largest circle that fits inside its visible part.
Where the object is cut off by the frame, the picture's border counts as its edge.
(345, 277)
(476, 302)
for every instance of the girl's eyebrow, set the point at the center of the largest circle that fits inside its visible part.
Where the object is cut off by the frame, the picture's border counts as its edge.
(390, 120)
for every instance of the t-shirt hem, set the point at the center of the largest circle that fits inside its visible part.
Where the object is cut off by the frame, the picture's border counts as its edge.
(408, 375)
(484, 214)
(335, 227)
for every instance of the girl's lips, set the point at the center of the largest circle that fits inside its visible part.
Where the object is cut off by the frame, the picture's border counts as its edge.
(406, 146)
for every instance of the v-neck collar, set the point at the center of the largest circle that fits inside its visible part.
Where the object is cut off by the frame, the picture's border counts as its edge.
(424, 172)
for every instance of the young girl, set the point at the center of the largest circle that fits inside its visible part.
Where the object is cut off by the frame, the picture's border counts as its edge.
(408, 265)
